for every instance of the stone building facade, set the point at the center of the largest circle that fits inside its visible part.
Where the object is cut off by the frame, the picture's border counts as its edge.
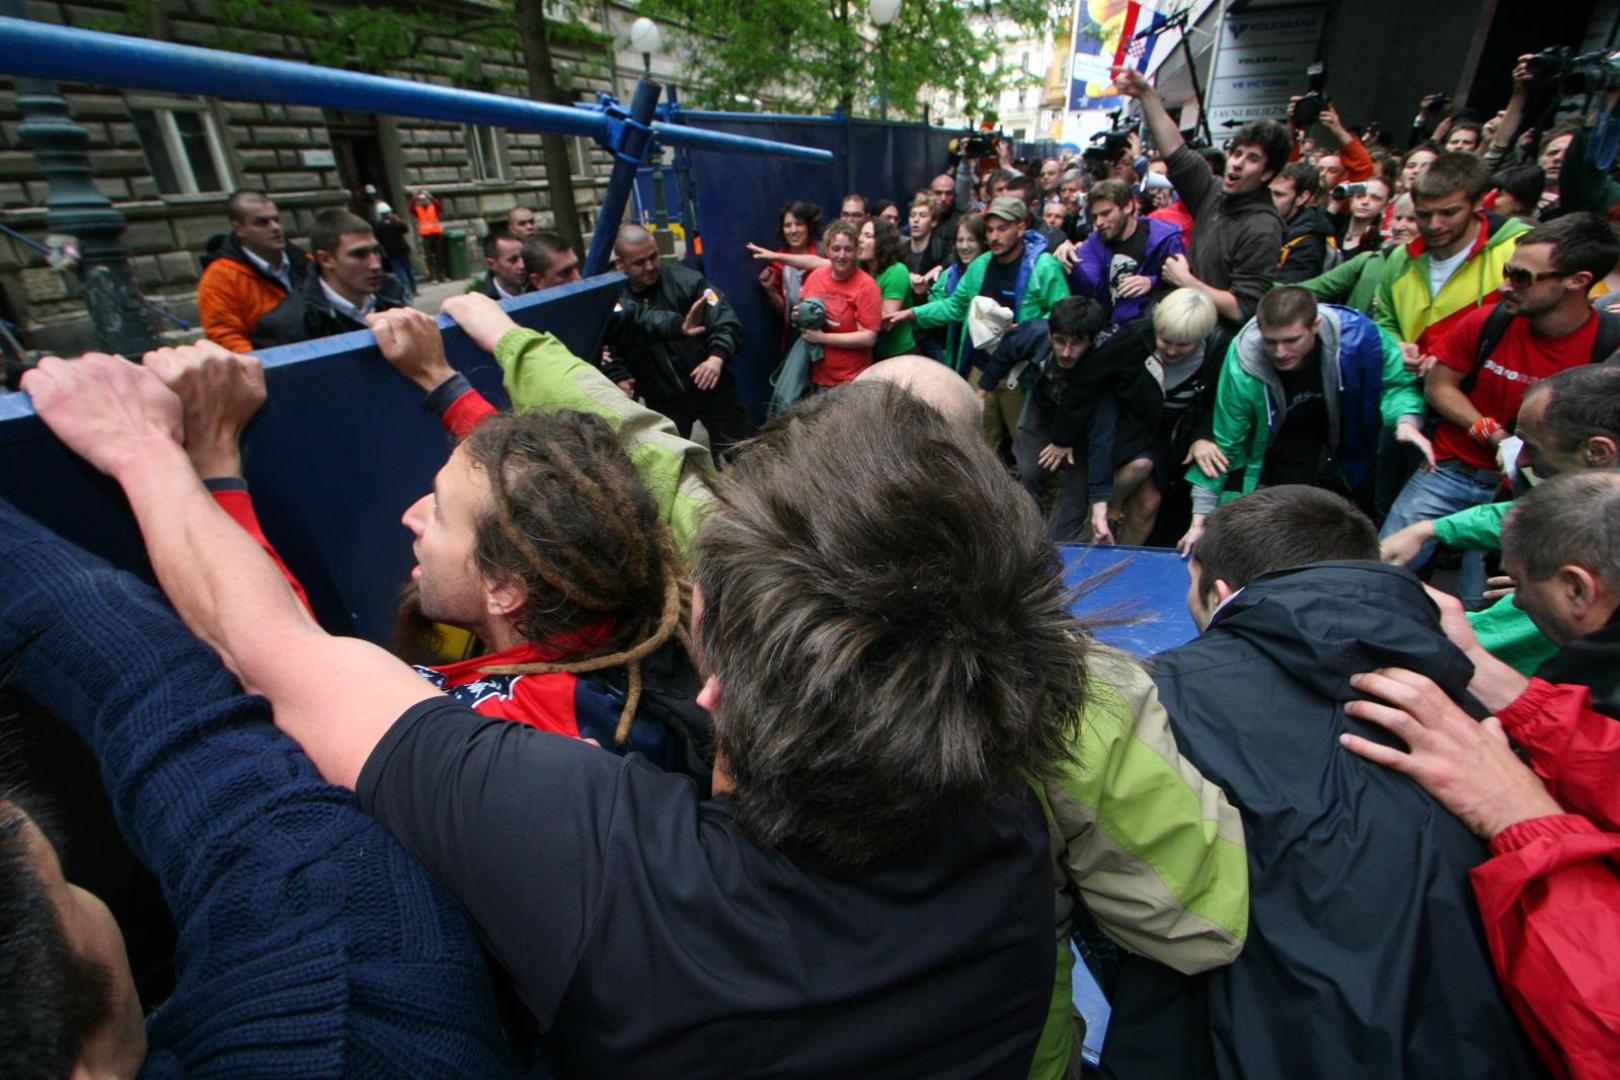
(168, 163)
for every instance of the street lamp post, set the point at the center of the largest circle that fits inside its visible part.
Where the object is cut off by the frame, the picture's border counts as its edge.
(76, 207)
(883, 13)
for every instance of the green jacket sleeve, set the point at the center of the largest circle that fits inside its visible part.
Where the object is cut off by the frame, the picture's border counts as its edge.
(1047, 285)
(1478, 528)
(1402, 393)
(1237, 396)
(1335, 286)
(542, 374)
(954, 307)
(1384, 310)
(1151, 847)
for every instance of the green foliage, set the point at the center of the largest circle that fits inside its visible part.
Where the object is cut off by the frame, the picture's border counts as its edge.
(825, 52)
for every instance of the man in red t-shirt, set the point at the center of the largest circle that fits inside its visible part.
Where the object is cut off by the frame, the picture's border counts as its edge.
(1553, 327)
(854, 309)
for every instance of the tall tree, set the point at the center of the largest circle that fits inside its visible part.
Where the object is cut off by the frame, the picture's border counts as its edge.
(824, 52)
(536, 40)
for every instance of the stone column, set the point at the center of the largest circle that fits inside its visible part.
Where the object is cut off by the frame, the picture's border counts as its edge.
(76, 207)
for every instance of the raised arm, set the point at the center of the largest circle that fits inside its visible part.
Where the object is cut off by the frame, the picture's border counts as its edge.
(219, 393)
(336, 697)
(542, 374)
(1166, 135)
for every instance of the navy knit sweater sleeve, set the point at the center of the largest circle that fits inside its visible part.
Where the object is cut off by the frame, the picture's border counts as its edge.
(309, 943)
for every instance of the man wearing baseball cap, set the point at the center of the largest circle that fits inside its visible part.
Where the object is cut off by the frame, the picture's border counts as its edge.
(1019, 275)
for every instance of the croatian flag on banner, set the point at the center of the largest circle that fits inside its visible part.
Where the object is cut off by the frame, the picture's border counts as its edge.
(1133, 51)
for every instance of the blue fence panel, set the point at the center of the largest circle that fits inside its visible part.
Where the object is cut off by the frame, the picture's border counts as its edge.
(1145, 597)
(739, 200)
(336, 455)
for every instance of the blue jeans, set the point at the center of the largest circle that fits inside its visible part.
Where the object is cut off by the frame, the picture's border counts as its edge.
(1429, 495)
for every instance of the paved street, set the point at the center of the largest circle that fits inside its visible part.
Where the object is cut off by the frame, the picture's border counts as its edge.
(429, 297)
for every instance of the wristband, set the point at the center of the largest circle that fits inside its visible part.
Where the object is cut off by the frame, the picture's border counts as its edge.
(1482, 429)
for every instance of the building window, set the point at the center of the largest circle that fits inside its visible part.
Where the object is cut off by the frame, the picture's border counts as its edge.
(484, 149)
(579, 157)
(183, 147)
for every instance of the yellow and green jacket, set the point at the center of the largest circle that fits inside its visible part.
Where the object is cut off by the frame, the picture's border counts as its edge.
(1405, 307)
(1137, 834)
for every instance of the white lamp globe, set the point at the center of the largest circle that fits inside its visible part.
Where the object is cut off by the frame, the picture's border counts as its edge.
(644, 36)
(883, 12)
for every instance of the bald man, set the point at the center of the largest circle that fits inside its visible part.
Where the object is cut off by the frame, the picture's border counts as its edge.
(685, 378)
(934, 383)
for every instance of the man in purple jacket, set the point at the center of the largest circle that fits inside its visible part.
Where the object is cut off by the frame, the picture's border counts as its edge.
(1121, 259)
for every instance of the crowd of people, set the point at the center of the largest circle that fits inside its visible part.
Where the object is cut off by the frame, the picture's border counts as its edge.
(785, 752)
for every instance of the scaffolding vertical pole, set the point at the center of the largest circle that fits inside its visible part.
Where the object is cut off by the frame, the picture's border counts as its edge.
(631, 139)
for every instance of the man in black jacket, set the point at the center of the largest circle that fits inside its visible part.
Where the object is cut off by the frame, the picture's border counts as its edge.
(1060, 384)
(1295, 192)
(1365, 954)
(685, 377)
(349, 286)
(507, 277)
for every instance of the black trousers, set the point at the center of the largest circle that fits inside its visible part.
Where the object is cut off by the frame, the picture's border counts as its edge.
(720, 411)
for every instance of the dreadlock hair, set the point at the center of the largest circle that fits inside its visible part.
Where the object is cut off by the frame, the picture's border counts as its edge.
(571, 522)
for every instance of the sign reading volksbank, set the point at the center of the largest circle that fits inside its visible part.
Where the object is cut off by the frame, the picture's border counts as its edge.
(1260, 64)
(1273, 29)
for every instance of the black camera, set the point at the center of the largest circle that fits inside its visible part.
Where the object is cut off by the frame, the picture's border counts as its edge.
(1308, 109)
(1348, 191)
(978, 146)
(1586, 73)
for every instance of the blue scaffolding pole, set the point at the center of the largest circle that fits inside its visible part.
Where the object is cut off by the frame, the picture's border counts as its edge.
(46, 51)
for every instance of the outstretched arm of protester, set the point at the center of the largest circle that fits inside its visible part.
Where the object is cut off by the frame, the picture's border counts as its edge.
(1166, 135)
(1358, 164)
(336, 697)
(542, 374)
(219, 392)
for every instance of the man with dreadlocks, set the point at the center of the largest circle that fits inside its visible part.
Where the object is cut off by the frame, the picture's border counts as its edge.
(569, 626)
(867, 891)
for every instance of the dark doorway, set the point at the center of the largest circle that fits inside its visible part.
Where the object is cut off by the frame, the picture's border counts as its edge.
(357, 148)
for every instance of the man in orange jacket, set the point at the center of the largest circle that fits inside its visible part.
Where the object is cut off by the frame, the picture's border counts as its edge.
(247, 272)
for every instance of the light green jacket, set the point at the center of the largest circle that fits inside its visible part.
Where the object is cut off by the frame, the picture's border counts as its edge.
(1152, 849)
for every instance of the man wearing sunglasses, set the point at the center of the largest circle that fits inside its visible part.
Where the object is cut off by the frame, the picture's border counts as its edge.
(1489, 360)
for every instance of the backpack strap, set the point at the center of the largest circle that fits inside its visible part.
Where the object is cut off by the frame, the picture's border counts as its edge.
(1490, 335)
(1608, 336)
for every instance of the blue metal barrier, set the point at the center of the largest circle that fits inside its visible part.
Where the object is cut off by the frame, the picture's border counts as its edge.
(340, 450)
(46, 51)
(1141, 608)
(740, 201)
